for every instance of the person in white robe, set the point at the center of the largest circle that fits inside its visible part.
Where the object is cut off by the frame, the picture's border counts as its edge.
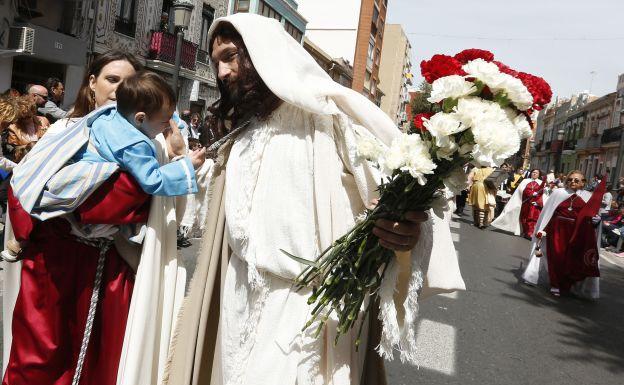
(510, 218)
(292, 180)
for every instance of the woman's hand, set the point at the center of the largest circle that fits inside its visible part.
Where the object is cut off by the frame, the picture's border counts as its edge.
(400, 236)
(198, 157)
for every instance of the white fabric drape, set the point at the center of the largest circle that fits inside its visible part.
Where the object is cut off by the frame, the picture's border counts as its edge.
(509, 219)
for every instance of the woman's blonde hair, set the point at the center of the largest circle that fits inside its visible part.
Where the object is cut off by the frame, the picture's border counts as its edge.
(25, 107)
(8, 111)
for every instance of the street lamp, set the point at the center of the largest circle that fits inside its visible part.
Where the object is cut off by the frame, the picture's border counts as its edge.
(182, 10)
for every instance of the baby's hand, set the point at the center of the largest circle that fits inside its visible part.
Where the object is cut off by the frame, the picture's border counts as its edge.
(198, 157)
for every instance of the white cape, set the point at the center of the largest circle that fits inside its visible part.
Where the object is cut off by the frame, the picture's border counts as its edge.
(509, 219)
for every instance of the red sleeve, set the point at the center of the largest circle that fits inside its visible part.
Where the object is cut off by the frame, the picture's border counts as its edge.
(22, 223)
(120, 200)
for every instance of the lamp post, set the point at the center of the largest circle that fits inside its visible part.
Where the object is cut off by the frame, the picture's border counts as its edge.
(181, 19)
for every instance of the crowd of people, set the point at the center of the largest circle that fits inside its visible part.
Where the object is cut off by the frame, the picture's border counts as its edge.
(566, 217)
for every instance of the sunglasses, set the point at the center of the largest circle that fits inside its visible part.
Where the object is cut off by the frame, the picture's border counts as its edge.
(575, 180)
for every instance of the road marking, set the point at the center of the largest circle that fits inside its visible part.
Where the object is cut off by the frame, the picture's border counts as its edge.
(452, 295)
(454, 225)
(435, 343)
(455, 237)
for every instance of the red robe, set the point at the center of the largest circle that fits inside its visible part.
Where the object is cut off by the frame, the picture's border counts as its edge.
(57, 279)
(531, 207)
(570, 263)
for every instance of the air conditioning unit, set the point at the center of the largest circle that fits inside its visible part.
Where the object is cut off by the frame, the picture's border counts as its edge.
(22, 39)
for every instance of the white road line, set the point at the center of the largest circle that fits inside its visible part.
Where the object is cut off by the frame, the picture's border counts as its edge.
(455, 237)
(436, 346)
(454, 225)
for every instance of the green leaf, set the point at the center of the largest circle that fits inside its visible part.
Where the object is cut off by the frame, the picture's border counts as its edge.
(299, 259)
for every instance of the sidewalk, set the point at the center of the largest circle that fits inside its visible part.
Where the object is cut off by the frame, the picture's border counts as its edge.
(611, 258)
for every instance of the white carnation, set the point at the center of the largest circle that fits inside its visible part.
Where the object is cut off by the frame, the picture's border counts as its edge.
(409, 152)
(442, 126)
(483, 70)
(457, 181)
(453, 86)
(369, 148)
(495, 135)
(522, 126)
(516, 92)
(490, 75)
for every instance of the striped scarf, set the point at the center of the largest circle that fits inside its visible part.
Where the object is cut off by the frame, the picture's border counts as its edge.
(46, 185)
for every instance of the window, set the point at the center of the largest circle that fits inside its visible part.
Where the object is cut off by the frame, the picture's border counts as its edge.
(241, 6)
(371, 50)
(204, 42)
(375, 14)
(267, 11)
(293, 31)
(125, 21)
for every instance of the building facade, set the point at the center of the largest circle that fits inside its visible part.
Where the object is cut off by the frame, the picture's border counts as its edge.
(353, 30)
(395, 74)
(42, 39)
(67, 34)
(146, 28)
(597, 148)
(285, 11)
(337, 68)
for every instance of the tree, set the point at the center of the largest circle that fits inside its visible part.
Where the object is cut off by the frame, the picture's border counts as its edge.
(420, 104)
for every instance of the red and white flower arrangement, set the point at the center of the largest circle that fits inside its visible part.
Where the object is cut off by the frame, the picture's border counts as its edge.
(486, 110)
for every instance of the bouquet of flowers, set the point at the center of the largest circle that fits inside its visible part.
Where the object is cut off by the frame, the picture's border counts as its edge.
(486, 110)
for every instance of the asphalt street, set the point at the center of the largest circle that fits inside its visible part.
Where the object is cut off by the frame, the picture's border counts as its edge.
(501, 331)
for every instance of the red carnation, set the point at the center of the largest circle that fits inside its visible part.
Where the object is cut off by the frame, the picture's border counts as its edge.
(539, 89)
(471, 54)
(440, 66)
(419, 123)
(506, 69)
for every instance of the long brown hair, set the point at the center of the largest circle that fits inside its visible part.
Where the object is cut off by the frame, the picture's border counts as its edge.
(85, 101)
(255, 98)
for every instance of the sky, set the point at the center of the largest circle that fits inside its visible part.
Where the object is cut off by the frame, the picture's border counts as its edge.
(563, 41)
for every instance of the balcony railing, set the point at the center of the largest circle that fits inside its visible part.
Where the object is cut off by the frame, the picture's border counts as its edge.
(612, 135)
(125, 27)
(569, 144)
(589, 142)
(163, 47)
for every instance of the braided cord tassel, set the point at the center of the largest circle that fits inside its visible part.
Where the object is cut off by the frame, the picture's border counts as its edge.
(104, 246)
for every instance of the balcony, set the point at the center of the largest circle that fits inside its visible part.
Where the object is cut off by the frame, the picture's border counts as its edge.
(163, 46)
(589, 143)
(569, 144)
(611, 135)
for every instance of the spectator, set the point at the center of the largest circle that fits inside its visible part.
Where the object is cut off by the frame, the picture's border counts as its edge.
(24, 130)
(186, 116)
(11, 93)
(605, 206)
(194, 128)
(208, 134)
(52, 109)
(39, 94)
(612, 229)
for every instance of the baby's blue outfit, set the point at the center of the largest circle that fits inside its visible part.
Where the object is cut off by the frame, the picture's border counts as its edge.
(118, 141)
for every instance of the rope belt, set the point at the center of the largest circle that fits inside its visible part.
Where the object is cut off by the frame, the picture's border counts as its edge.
(103, 245)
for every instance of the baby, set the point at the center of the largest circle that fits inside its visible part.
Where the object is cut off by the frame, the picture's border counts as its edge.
(123, 135)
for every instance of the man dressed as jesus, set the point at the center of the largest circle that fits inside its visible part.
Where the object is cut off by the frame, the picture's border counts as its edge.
(292, 180)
